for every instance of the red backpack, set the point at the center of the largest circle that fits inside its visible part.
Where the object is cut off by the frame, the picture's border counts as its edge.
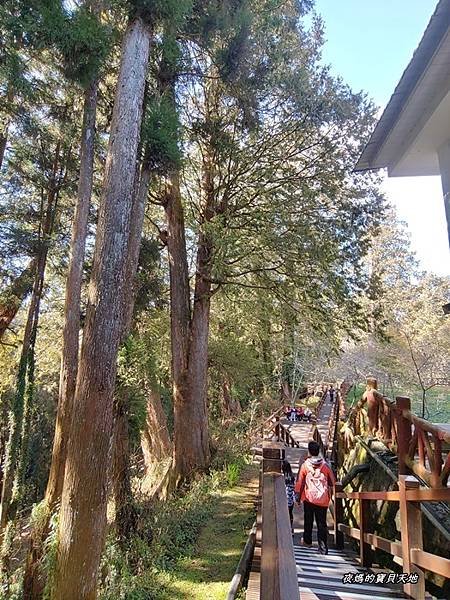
(316, 486)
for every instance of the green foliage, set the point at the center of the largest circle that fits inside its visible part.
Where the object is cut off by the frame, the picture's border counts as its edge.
(135, 367)
(161, 133)
(50, 553)
(84, 44)
(157, 11)
(233, 472)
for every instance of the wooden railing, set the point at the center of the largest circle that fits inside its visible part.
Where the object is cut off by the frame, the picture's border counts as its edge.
(267, 425)
(284, 435)
(419, 444)
(278, 570)
(319, 405)
(410, 548)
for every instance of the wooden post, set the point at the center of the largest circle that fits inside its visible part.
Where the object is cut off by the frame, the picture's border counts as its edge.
(436, 472)
(273, 456)
(338, 516)
(411, 534)
(278, 429)
(403, 433)
(365, 550)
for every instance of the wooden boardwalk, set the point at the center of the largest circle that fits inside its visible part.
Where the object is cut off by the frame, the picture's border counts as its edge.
(319, 576)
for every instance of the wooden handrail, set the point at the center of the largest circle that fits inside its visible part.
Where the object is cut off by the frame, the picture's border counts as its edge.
(417, 442)
(260, 429)
(410, 549)
(284, 435)
(278, 569)
(243, 565)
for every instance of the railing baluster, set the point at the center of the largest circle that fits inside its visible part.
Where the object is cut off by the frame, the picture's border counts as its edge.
(403, 432)
(411, 534)
(365, 551)
(338, 516)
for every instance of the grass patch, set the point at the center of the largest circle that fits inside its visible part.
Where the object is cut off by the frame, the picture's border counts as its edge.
(206, 575)
(198, 537)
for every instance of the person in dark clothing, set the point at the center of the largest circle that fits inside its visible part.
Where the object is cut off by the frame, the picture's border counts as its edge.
(314, 488)
(332, 394)
(289, 481)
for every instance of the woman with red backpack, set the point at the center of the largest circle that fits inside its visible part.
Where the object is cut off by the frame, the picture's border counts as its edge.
(314, 488)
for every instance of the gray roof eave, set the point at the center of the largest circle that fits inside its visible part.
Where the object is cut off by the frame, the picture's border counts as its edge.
(429, 44)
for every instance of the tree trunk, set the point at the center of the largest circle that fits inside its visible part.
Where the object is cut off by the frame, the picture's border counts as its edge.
(69, 361)
(134, 245)
(155, 440)
(231, 406)
(191, 438)
(82, 523)
(3, 140)
(180, 315)
(4, 132)
(34, 578)
(126, 515)
(12, 298)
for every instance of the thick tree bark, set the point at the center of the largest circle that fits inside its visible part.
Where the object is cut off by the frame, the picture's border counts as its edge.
(184, 456)
(193, 439)
(191, 433)
(12, 298)
(82, 524)
(126, 515)
(155, 440)
(34, 579)
(190, 336)
(134, 245)
(69, 361)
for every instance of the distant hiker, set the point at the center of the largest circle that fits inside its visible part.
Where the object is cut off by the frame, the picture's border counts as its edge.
(332, 394)
(300, 412)
(307, 414)
(293, 414)
(314, 487)
(289, 481)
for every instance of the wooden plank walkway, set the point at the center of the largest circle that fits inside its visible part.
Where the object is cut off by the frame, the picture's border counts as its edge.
(319, 576)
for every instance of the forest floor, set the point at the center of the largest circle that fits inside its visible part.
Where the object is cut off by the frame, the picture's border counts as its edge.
(207, 573)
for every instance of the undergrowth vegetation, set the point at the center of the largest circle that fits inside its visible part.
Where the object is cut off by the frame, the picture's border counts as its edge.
(168, 533)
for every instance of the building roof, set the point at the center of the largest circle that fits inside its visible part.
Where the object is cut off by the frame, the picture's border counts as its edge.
(416, 121)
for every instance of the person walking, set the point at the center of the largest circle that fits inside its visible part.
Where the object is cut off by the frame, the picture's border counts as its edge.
(332, 394)
(289, 481)
(314, 488)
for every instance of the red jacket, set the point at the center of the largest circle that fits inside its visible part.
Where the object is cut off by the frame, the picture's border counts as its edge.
(316, 463)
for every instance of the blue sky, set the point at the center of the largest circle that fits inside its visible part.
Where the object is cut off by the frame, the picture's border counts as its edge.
(369, 44)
